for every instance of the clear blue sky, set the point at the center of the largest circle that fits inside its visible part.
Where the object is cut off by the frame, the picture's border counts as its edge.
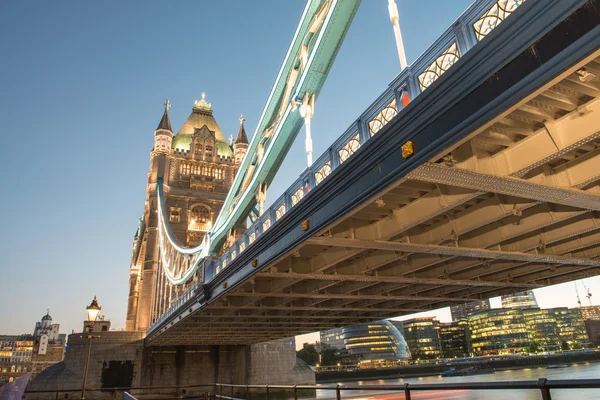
(82, 87)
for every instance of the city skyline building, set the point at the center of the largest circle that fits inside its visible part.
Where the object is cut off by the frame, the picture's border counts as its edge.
(454, 338)
(422, 337)
(590, 313)
(375, 344)
(197, 166)
(48, 346)
(524, 299)
(15, 356)
(463, 311)
(21, 354)
(498, 331)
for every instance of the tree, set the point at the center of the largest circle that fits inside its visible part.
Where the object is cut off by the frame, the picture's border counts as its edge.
(564, 346)
(534, 347)
(328, 356)
(308, 354)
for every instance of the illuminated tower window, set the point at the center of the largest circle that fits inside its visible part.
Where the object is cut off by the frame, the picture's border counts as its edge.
(200, 218)
(175, 215)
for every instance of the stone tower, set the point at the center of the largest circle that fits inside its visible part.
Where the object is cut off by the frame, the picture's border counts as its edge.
(197, 167)
(240, 147)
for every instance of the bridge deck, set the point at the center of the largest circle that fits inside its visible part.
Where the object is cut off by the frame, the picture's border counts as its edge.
(510, 200)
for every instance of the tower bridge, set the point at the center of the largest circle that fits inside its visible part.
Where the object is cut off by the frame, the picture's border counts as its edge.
(474, 174)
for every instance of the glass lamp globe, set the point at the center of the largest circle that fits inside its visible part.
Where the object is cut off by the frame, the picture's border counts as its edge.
(92, 310)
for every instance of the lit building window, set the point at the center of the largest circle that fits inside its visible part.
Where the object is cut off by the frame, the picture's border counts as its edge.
(200, 218)
(279, 212)
(492, 17)
(218, 173)
(441, 64)
(175, 214)
(384, 116)
(349, 148)
(184, 169)
(323, 172)
(297, 196)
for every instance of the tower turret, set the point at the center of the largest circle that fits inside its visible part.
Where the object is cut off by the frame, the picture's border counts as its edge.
(240, 147)
(163, 135)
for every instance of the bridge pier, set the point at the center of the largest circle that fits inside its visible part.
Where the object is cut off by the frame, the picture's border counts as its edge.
(121, 359)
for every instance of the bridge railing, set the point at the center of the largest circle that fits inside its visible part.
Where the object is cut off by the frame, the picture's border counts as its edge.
(470, 28)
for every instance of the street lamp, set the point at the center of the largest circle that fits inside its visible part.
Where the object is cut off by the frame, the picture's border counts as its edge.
(92, 314)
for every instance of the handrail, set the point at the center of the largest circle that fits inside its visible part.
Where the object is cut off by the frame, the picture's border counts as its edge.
(493, 385)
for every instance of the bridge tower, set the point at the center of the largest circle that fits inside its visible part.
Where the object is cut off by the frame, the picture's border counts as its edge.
(197, 166)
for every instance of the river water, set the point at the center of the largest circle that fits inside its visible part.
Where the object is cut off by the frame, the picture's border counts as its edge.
(577, 371)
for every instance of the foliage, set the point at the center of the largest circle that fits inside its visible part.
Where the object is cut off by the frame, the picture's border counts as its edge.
(534, 347)
(564, 346)
(328, 356)
(308, 354)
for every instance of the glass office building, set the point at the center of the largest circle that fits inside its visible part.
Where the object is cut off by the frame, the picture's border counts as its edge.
(498, 331)
(375, 344)
(524, 299)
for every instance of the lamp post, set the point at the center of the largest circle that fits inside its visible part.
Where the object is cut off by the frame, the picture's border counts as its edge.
(92, 314)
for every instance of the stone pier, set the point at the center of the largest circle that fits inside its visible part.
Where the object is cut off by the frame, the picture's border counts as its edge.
(121, 359)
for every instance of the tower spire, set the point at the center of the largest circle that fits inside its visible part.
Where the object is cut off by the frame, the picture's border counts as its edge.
(241, 137)
(165, 122)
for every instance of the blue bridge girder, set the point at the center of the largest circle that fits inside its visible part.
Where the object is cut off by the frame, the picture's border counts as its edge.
(486, 183)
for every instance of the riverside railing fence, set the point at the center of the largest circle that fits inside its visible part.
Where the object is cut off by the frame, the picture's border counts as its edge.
(224, 391)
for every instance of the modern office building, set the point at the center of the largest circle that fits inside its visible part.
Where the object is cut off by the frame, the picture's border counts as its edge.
(375, 344)
(464, 311)
(592, 326)
(542, 329)
(333, 338)
(524, 299)
(15, 356)
(498, 331)
(422, 337)
(570, 325)
(454, 339)
(590, 313)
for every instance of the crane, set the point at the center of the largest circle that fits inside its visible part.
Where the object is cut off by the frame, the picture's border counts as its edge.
(588, 293)
(577, 292)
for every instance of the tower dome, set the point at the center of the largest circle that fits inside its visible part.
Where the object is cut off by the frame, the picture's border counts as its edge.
(47, 317)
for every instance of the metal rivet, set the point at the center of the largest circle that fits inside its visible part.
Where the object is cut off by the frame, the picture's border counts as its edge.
(255, 262)
(224, 285)
(408, 149)
(305, 225)
(190, 310)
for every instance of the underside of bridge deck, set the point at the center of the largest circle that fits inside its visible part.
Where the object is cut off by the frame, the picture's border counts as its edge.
(514, 206)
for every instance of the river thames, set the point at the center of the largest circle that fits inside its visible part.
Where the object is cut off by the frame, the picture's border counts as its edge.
(577, 371)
